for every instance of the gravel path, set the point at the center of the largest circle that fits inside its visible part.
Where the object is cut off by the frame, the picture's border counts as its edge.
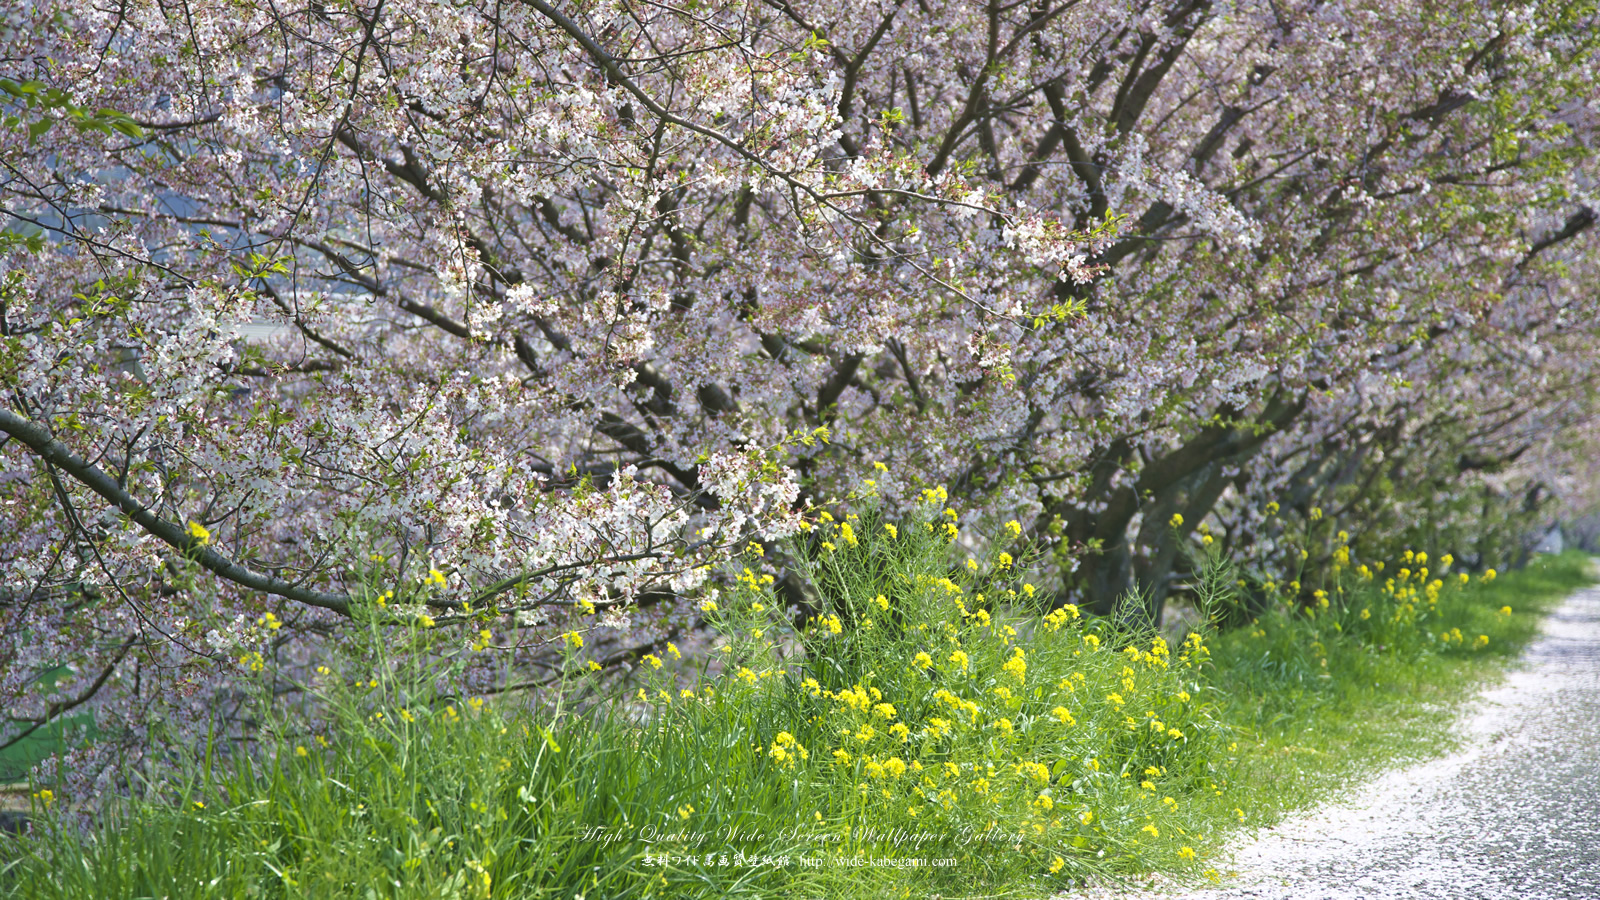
(1516, 814)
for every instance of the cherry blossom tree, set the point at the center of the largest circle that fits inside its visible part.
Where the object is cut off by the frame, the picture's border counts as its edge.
(522, 316)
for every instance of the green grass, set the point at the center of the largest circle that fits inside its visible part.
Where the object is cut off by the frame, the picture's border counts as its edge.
(1303, 738)
(54, 737)
(1033, 751)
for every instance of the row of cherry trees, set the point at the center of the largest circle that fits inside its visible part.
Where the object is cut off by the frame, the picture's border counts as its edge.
(530, 313)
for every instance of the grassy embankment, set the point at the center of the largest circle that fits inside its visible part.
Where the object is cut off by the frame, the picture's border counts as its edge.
(931, 715)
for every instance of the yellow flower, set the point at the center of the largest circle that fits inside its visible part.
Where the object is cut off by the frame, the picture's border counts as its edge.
(1489, 574)
(573, 639)
(1505, 610)
(199, 533)
(653, 660)
(893, 532)
(1186, 853)
(1063, 715)
(1151, 830)
(1176, 521)
(1056, 865)
(426, 621)
(1016, 667)
(882, 601)
(1092, 641)
(46, 797)
(709, 606)
(685, 810)
(594, 666)
(959, 657)
(1316, 513)
(922, 660)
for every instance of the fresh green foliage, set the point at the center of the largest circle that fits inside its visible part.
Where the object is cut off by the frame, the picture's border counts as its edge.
(1306, 729)
(928, 709)
(47, 103)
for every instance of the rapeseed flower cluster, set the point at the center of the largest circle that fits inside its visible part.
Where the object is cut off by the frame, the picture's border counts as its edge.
(939, 696)
(1396, 605)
